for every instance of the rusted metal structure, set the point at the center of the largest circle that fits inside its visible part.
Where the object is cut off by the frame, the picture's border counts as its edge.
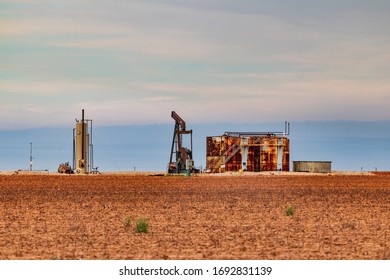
(82, 146)
(312, 166)
(65, 168)
(180, 160)
(249, 151)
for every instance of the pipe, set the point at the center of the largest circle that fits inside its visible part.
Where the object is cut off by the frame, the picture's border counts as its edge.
(74, 149)
(82, 137)
(192, 152)
(31, 158)
(91, 148)
(273, 133)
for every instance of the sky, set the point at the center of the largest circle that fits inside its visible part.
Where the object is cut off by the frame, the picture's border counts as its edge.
(133, 62)
(350, 145)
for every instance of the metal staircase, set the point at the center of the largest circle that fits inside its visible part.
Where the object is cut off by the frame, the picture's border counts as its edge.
(226, 156)
(236, 148)
(229, 153)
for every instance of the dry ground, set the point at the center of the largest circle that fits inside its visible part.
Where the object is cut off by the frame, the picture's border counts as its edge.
(198, 217)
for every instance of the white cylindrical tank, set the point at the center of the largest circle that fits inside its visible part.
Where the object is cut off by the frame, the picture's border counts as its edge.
(82, 153)
(312, 166)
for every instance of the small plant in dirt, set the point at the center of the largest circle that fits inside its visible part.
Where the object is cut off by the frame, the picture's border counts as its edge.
(139, 225)
(142, 225)
(290, 210)
(128, 221)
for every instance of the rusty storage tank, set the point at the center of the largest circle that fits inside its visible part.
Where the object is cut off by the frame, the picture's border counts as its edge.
(312, 166)
(253, 153)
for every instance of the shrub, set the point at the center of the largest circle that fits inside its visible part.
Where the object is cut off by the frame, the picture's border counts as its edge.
(128, 221)
(142, 225)
(290, 210)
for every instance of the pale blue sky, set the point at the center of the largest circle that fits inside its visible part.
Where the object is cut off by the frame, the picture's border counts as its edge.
(132, 62)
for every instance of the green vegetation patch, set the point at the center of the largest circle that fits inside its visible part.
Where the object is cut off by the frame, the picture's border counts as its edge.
(290, 210)
(139, 225)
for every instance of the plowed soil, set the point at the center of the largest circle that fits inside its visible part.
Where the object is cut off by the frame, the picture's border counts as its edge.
(197, 217)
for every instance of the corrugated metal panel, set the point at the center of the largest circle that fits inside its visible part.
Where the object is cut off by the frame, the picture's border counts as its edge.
(312, 166)
(262, 153)
(214, 146)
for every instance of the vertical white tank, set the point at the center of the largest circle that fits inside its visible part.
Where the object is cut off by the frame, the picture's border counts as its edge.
(82, 149)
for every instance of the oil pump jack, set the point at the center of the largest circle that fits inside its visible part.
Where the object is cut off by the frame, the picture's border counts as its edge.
(181, 158)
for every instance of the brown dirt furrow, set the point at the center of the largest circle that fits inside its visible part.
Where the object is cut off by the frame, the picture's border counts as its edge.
(198, 217)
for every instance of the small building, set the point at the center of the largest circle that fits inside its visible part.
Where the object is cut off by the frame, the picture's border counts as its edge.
(312, 166)
(247, 152)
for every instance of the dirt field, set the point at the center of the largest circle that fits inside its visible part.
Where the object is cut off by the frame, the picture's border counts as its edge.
(198, 217)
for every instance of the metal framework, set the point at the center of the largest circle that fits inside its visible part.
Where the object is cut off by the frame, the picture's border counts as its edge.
(180, 158)
(249, 151)
(83, 146)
